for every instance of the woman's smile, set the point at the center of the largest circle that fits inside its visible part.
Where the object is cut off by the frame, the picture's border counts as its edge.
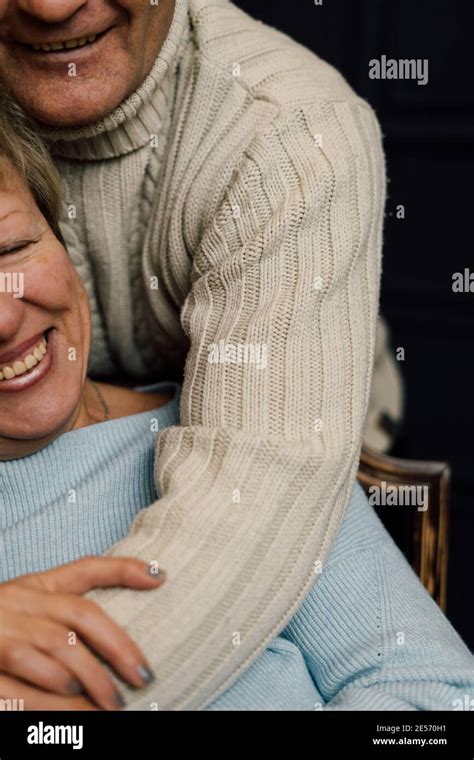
(28, 364)
(44, 332)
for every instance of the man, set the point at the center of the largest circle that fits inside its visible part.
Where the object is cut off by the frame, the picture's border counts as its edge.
(224, 204)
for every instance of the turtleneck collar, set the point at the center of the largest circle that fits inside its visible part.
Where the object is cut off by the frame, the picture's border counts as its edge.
(140, 115)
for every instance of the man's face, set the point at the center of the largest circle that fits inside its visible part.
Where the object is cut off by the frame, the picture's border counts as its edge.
(71, 62)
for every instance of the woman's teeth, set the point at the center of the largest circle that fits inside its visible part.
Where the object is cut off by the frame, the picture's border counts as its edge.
(68, 45)
(30, 361)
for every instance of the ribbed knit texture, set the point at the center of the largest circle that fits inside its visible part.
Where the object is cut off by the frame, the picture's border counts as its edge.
(368, 633)
(260, 212)
(366, 637)
(80, 494)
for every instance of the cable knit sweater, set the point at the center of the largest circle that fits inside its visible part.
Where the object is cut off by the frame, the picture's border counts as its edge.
(227, 217)
(367, 636)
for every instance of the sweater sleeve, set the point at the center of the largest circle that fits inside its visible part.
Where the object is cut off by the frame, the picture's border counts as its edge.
(374, 639)
(281, 319)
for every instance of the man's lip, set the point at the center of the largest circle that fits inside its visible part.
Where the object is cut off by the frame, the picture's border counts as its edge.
(20, 350)
(69, 35)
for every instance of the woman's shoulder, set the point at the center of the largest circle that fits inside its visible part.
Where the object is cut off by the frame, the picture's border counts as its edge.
(350, 569)
(361, 530)
(347, 585)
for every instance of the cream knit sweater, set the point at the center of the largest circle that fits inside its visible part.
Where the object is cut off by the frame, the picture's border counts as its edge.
(229, 215)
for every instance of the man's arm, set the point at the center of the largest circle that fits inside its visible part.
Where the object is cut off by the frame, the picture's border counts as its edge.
(281, 320)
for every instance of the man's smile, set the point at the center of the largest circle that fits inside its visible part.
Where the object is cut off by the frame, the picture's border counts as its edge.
(72, 62)
(60, 49)
(66, 43)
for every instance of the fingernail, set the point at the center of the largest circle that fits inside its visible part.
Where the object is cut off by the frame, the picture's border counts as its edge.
(75, 686)
(146, 674)
(119, 700)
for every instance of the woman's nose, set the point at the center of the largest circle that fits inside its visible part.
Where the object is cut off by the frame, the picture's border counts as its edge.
(50, 11)
(11, 316)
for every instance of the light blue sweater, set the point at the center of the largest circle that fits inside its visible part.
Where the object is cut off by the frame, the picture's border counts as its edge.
(367, 637)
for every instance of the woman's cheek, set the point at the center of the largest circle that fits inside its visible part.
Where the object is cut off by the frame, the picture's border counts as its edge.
(48, 286)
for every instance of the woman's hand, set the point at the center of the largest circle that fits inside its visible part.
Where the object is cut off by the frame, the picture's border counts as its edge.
(50, 636)
(37, 699)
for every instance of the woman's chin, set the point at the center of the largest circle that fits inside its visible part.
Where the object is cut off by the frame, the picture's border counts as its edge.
(39, 405)
(30, 432)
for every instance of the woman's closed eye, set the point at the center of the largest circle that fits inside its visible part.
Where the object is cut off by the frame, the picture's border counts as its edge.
(15, 247)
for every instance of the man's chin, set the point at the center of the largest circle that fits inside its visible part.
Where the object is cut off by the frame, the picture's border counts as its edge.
(60, 120)
(80, 112)
(63, 105)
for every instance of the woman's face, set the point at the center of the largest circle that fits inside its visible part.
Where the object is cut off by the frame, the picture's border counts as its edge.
(44, 326)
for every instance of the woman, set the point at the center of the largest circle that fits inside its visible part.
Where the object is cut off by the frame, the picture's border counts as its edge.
(78, 468)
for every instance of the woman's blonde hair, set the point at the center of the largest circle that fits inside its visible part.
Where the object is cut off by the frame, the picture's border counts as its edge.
(24, 149)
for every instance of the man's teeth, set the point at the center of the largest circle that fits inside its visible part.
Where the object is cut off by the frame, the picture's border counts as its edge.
(68, 45)
(29, 361)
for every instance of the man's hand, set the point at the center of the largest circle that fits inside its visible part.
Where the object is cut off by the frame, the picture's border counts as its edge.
(50, 636)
